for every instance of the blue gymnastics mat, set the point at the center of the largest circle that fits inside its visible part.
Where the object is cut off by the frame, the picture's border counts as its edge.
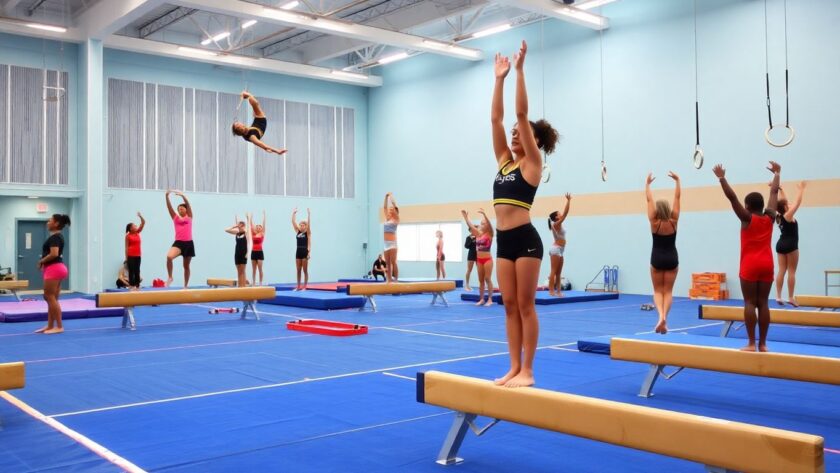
(458, 282)
(601, 345)
(543, 298)
(321, 300)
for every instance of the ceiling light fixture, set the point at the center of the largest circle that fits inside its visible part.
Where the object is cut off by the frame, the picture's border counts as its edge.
(216, 38)
(290, 5)
(581, 15)
(202, 52)
(248, 24)
(41, 26)
(593, 4)
(491, 30)
(392, 58)
(348, 74)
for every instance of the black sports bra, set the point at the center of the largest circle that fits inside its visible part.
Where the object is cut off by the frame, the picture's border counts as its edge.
(511, 188)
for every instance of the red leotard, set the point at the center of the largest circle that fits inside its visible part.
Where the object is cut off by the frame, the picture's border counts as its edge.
(756, 253)
(133, 240)
(258, 241)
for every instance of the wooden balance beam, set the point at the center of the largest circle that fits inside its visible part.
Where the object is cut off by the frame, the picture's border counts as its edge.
(705, 440)
(14, 286)
(219, 282)
(368, 290)
(730, 315)
(816, 369)
(821, 302)
(12, 376)
(132, 299)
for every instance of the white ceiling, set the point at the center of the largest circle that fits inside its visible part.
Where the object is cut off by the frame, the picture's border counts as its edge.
(315, 36)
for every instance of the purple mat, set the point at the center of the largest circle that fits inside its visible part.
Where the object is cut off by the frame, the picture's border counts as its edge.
(35, 311)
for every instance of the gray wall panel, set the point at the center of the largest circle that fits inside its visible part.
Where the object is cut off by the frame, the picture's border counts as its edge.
(233, 151)
(4, 104)
(189, 145)
(269, 169)
(125, 134)
(51, 139)
(27, 139)
(170, 163)
(151, 133)
(322, 152)
(297, 139)
(348, 156)
(63, 158)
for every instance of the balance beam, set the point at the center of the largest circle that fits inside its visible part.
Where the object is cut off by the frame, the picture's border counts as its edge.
(14, 286)
(130, 300)
(816, 369)
(437, 288)
(219, 282)
(719, 444)
(12, 376)
(730, 315)
(821, 302)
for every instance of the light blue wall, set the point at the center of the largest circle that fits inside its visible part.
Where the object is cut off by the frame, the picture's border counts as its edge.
(22, 208)
(430, 135)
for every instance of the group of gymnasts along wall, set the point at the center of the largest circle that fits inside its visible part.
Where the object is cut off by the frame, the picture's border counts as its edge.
(166, 126)
(648, 126)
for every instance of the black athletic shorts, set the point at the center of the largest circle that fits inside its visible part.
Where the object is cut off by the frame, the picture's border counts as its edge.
(240, 258)
(257, 255)
(520, 242)
(301, 253)
(187, 248)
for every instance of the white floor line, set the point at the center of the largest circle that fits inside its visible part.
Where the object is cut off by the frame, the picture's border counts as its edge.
(563, 348)
(681, 328)
(420, 332)
(94, 447)
(399, 376)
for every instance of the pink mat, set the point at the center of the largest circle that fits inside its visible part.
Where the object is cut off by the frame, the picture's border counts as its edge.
(75, 308)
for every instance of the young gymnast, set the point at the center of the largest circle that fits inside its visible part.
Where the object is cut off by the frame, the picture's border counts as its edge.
(519, 250)
(303, 235)
(440, 257)
(133, 251)
(664, 260)
(469, 244)
(483, 235)
(392, 216)
(240, 251)
(54, 270)
(756, 272)
(254, 133)
(257, 254)
(787, 246)
(183, 245)
(558, 247)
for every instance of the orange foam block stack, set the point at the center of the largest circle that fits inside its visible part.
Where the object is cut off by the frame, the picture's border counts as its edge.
(710, 286)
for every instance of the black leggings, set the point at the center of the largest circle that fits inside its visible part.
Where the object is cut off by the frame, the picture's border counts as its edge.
(133, 264)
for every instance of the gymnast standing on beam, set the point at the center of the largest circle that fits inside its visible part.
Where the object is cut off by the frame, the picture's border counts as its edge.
(392, 221)
(756, 271)
(240, 252)
(520, 250)
(787, 246)
(183, 245)
(52, 265)
(257, 254)
(664, 259)
(254, 133)
(303, 236)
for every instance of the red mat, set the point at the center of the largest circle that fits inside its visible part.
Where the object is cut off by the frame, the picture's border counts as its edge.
(327, 286)
(327, 327)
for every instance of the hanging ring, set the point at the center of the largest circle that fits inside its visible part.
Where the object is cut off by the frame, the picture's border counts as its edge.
(546, 173)
(603, 171)
(698, 157)
(791, 136)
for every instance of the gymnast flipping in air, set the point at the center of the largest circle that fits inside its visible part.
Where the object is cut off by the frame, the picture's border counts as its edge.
(255, 132)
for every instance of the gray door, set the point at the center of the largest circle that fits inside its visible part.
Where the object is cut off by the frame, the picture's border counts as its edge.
(31, 235)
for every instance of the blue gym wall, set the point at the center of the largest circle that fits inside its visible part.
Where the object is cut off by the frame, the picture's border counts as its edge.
(431, 119)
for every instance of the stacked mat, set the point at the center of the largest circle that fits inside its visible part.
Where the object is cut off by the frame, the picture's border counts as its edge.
(36, 311)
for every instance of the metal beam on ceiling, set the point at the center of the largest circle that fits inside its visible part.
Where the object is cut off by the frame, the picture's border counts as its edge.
(167, 19)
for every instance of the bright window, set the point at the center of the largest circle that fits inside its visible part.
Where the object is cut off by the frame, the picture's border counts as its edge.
(419, 242)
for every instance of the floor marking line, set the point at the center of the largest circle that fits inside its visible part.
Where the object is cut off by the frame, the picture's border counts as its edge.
(420, 332)
(831, 450)
(399, 376)
(94, 447)
(682, 328)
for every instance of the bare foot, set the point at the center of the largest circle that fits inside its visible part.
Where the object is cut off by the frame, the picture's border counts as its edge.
(661, 327)
(552, 294)
(480, 302)
(507, 377)
(749, 347)
(468, 288)
(780, 302)
(559, 294)
(762, 348)
(488, 303)
(42, 329)
(168, 282)
(54, 330)
(793, 303)
(520, 381)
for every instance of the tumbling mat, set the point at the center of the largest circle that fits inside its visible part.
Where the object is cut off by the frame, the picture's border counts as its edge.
(322, 300)
(35, 311)
(327, 327)
(458, 282)
(543, 298)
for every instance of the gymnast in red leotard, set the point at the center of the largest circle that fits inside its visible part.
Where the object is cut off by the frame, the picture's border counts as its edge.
(756, 271)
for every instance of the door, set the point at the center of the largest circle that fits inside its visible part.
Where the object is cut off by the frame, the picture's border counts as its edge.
(31, 235)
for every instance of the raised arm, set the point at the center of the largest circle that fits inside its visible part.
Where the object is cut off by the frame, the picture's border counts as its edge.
(142, 222)
(794, 206)
(651, 208)
(308, 222)
(263, 222)
(254, 103)
(473, 230)
(294, 221)
(259, 144)
(497, 111)
(169, 205)
(126, 245)
(526, 134)
(566, 208)
(186, 203)
(675, 206)
(486, 220)
(742, 213)
(234, 229)
(249, 236)
(776, 169)
(385, 204)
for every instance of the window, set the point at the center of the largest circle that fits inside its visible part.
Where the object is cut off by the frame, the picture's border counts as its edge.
(418, 242)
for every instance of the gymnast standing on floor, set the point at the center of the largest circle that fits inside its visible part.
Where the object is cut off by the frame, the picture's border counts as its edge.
(756, 270)
(254, 133)
(54, 270)
(519, 248)
(257, 254)
(558, 248)
(133, 252)
(303, 236)
(183, 245)
(483, 236)
(664, 259)
(469, 244)
(787, 246)
(392, 220)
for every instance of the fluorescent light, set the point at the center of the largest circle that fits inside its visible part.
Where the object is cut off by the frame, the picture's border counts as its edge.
(248, 24)
(492, 30)
(593, 4)
(290, 5)
(436, 44)
(202, 52)
(581, 15)
(348, 74)
(451, 48)
(392, 58)
(218, 37)
(287, 16)
(32, 197)
(41, 26)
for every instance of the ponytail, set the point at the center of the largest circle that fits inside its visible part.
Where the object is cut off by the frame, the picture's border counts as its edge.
(62, 220)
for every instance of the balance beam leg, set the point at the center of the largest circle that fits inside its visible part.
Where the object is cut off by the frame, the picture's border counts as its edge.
(650, 380)
(128, 319)
(449, 452)
(727, 326)
(252, 306)
(17, 296)
(437, 295)
(368, 299)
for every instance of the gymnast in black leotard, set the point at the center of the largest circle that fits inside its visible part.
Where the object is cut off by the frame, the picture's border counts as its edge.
(254, 133)
(664, 261)
(787, 247)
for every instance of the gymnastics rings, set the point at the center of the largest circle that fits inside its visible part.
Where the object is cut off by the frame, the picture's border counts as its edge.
(603, 171)
(546, 173)
(698, 157)
(791, 136)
